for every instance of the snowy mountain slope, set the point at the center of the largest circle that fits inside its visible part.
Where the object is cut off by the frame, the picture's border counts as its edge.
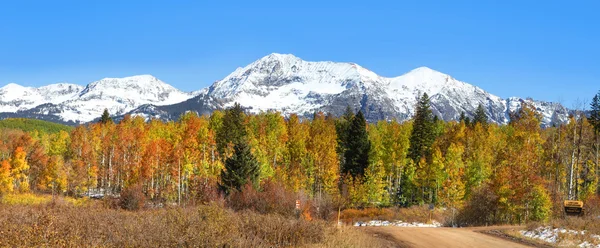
(288, 84)
(279, 82)
(119, 95)
(14, 97)
(83, 104)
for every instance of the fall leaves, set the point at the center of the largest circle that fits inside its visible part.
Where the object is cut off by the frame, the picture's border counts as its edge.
(360, 164)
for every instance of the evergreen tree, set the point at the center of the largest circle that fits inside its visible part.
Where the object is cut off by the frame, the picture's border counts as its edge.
(232, 129)
(241, 168)
(464, 118)
(105, 118)
(341, 127)
(480, 116)
(423, 133)
(356, 157)
(595, 113)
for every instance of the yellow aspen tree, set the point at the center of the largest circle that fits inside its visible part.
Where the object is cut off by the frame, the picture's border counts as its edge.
(6, 180)
(19, 170)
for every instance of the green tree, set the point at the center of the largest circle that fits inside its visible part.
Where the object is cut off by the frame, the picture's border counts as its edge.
(241, 168)
(232, 130)
(464, 118)
(356, 157)
(540, 204)
(342, 125)
(423, 132)
(595, 113)
(480, 116)
(105, 118)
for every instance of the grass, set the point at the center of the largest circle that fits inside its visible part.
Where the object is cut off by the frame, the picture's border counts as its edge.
(30, 125)
(34, 221)
(420, 214)
(29, 199)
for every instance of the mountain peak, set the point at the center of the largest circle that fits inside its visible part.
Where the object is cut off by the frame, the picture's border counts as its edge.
(143, 77)
(138, 81)
(12, 86)
(279, 56)
(424, 70)
(280, 82)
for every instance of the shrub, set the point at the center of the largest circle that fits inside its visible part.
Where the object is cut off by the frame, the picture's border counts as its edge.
(132, 198)
(204, 190)
(480, 209)
(203, 226)
(273, 198)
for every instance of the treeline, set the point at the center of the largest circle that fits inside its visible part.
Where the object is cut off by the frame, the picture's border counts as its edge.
(503, 173)
(30, 125)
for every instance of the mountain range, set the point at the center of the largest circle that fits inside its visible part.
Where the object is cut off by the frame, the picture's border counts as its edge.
(276, 82)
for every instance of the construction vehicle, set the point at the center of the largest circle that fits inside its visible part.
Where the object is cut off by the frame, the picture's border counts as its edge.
(573, 208)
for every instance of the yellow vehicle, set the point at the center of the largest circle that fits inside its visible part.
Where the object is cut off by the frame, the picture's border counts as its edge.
(573, 208)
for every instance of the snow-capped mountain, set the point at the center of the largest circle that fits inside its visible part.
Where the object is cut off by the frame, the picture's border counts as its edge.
(83, 104)
(288, 84)
(14, 97)
(278, 82)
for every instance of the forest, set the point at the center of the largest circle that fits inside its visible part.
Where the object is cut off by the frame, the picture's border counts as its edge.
(489, 173)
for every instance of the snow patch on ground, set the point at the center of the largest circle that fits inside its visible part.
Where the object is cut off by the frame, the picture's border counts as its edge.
(553, 235)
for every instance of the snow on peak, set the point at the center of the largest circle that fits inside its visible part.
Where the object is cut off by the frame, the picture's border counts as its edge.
(12, 86)
(14, 97)
(279, 57)
(288, 84)
(120, 95)
(424, 79)
(281, 82)
(83, 104)
(14, 92)
(133, 81)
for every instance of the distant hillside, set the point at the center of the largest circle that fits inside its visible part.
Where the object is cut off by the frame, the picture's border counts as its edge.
(29, 125)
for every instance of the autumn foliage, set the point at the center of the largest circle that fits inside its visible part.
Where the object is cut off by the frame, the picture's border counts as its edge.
(510, 173)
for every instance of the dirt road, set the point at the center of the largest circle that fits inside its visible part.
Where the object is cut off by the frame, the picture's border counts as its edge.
(443, 237)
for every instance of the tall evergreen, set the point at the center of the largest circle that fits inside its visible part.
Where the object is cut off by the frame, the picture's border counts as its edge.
(423, 133)
(595, 113)
(356, 157)
(232, 130)
(480, 116)
(241, 168)
(105, 118)
(341, 127)
(464, 118)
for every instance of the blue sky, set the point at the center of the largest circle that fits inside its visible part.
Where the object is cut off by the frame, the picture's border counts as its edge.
(548, 50)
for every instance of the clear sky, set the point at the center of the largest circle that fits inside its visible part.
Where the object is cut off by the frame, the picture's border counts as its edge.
(548, 50)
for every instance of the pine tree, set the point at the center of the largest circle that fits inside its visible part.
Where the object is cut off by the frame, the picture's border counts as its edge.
(423, 133)
(356, 157)
(341, 128)
(105, 117)
(241, 168)
(480, 116)
(232, 130)
(595, 113)
(462, 117)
